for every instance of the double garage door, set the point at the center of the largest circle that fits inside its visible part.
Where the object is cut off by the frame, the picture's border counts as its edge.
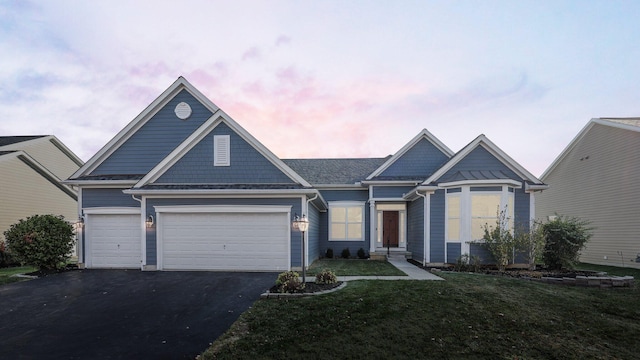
(237, 239)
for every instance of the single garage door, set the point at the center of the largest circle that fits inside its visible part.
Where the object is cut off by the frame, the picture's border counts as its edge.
(113, 241)
(224, 241)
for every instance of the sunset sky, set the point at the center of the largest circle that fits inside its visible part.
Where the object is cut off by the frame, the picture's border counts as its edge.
(326, 78)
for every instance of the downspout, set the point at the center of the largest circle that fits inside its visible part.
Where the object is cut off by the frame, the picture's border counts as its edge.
(424, 235)
(143, 239)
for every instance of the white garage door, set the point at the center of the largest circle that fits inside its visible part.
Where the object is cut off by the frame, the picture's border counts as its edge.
(113, 241)
(224, 241)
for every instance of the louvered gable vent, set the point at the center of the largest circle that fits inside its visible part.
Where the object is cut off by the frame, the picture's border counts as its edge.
(221, 150)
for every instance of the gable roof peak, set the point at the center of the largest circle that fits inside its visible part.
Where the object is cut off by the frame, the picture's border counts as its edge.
(424, 134)
(483, 140)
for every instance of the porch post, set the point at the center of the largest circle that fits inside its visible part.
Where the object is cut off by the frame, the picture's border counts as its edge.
(372, 226)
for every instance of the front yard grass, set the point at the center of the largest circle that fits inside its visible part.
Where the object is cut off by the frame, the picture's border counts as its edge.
(6, 274)
(353, 267)
(468, 316)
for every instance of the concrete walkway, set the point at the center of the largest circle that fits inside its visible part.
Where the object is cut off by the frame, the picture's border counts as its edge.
(413, 272)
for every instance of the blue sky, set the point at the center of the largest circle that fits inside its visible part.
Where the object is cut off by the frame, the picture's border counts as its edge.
(326, 78)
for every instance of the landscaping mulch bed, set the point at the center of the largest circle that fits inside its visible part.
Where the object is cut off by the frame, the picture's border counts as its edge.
(310, 288)
(43, 273)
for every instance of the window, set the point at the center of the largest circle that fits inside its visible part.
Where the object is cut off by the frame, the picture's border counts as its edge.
(468, 209)
(453, 217)
(221, 150)
(346, 221)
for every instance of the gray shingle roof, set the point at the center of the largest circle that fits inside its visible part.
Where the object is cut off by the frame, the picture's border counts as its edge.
(6, 152)
(334, 171)
(8, 140)
(110, 177)
(477, 175)
(221, 186)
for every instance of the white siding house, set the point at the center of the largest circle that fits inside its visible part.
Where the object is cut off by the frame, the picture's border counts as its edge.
(31, 171)
(595, 179)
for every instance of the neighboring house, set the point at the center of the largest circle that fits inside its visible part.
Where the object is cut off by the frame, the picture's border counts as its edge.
(31, 172)
(594, 179)
(185, 187)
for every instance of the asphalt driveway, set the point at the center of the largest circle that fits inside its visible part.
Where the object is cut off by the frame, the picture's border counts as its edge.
(120, 314)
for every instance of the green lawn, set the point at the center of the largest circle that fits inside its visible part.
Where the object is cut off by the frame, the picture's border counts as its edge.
(353, 267)
(611, 270)
(6, 274)
(468, 316)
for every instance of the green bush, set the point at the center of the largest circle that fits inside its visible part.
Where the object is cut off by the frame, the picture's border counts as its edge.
(530, 242)
(467, 263)
(42, 241)
(326, 277)
(289, 282)
(499, 240)
(329, 253)
(362, 254)
(6, 259)
(565, 237)
(346, 253)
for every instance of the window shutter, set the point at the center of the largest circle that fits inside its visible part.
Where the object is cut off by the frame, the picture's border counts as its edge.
(221, 150)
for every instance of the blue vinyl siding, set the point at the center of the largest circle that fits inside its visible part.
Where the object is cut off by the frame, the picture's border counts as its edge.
(107, 198)
(295, 203)
(482, 253)
(386, 192)
(420, 161)
(521, 209)
(480, 159)
(155, 139)
(338, 246)
(437, 226)
(248, 166)
(313, 234)
(415, 229)
(453, 251)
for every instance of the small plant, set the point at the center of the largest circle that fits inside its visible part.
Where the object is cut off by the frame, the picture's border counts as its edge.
(362, 254)
(565, 238)
(346, 253)
(43, 241)
(329, 253)
(326, 277)
(289, 282)
(499, 240)
(531, 241)
(467, 263)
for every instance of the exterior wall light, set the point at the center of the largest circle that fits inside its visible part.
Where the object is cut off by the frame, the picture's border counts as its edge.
(149, 221)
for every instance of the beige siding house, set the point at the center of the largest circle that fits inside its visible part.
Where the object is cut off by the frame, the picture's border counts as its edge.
(31, 171)
(596, 178)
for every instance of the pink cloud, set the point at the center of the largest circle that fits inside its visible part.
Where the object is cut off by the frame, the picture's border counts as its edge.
(252, 53)
(283, 40)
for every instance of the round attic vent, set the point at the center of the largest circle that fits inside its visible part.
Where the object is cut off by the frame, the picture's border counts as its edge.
(183, 111)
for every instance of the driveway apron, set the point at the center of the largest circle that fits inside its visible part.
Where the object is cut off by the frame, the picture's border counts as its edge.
(120, 314)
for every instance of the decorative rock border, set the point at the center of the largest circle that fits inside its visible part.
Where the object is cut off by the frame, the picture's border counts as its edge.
(590, 281)
(270, 295)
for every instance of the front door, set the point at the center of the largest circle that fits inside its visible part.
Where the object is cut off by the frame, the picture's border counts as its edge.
(390, 228)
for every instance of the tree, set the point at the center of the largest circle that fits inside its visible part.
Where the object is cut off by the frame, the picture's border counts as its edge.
(43, 241)
(565, 237)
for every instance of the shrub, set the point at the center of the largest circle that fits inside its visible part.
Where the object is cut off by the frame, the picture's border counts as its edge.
(499, 240)
(6, 259)
(43, 241)
(362, 254)
(346, 253)
(467, 263)
(329, 253)
(531, 243)
(565, 237)
(289, 282)
(326, 277)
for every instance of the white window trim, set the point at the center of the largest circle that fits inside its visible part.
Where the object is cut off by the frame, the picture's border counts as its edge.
(343, 204)
(466, 216)
(221, 150)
